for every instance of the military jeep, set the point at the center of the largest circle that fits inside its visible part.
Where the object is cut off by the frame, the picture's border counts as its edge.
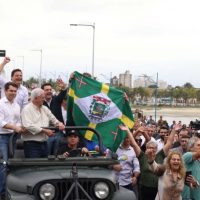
(60, 178)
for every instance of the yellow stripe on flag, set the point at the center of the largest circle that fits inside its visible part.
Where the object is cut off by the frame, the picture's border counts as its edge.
(72, 94)
(127, 121)
(105, 89)
(89, 134)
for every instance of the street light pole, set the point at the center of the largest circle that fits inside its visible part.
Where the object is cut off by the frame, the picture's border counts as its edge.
(40, 74)
(93, 41)
(156, 96)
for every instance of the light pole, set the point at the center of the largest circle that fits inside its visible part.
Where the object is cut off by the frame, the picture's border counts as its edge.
(156, 96)
(93, 27)
(40, 74)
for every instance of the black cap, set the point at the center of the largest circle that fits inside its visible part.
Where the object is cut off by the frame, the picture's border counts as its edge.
(73, 132)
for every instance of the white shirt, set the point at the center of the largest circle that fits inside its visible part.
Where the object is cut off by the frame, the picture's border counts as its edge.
(33, 119)
(64, 114)
(160, 144)
(9, 114)
(152, 139)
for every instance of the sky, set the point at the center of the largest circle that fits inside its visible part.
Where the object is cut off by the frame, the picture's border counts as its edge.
(142, 36)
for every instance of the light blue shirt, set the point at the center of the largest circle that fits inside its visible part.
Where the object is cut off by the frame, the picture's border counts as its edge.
(194, 167)
(129, 163)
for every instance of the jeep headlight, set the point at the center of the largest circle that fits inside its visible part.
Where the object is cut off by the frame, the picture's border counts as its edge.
(101, 190)
(47, 191)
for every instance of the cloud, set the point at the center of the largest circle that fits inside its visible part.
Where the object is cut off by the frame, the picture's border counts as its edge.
(140, 35)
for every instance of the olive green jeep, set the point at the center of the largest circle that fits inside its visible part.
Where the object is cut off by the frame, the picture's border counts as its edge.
(60, 178)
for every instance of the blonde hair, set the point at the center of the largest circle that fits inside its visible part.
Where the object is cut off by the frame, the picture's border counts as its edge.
(182, 169)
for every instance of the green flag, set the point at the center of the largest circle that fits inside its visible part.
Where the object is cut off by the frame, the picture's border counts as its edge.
(94, 104)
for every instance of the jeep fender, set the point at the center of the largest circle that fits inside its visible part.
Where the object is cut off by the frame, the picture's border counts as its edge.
(124, 194)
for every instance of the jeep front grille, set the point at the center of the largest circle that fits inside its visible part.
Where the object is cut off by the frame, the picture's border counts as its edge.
(63, 186)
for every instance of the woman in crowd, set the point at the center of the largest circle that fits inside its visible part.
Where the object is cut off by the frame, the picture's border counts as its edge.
(171, 175)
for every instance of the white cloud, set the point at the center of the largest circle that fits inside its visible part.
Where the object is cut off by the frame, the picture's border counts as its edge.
(140, 35)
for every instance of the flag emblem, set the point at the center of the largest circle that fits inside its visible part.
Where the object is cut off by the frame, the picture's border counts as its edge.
(99, 108)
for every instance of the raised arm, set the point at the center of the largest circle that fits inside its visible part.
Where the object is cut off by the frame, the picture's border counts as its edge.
(62, 91)
(169, 142)
(153, 165)
(5, 61)
(133, 142)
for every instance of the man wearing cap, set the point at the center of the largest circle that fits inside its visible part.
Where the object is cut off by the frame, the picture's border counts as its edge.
(72, 143)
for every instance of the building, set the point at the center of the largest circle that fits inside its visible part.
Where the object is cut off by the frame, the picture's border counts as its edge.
(114, 81)
(125, 79)
(146, 82)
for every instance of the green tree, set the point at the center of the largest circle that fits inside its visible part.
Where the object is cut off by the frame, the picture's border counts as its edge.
(188, 85)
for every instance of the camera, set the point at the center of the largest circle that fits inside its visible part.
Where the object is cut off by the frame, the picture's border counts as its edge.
(195, 124)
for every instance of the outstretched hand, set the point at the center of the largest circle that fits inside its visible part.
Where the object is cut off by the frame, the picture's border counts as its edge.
(60, 84)
(176, 127)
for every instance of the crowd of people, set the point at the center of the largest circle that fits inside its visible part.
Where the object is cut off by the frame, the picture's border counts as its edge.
(168, 156)
(157, 160)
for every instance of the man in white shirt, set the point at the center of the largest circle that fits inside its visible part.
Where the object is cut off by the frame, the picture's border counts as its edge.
(16, 77)
(163, 133)
(129, 169)
(36, 116)
(10, 122)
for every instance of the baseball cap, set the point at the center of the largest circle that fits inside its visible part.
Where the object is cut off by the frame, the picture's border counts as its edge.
(72, 132)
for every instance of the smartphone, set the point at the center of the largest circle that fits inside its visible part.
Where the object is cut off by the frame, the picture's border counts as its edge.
(2, 53)
(188, 173)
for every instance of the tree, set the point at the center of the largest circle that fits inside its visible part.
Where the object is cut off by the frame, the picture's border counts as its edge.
(188, 85)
